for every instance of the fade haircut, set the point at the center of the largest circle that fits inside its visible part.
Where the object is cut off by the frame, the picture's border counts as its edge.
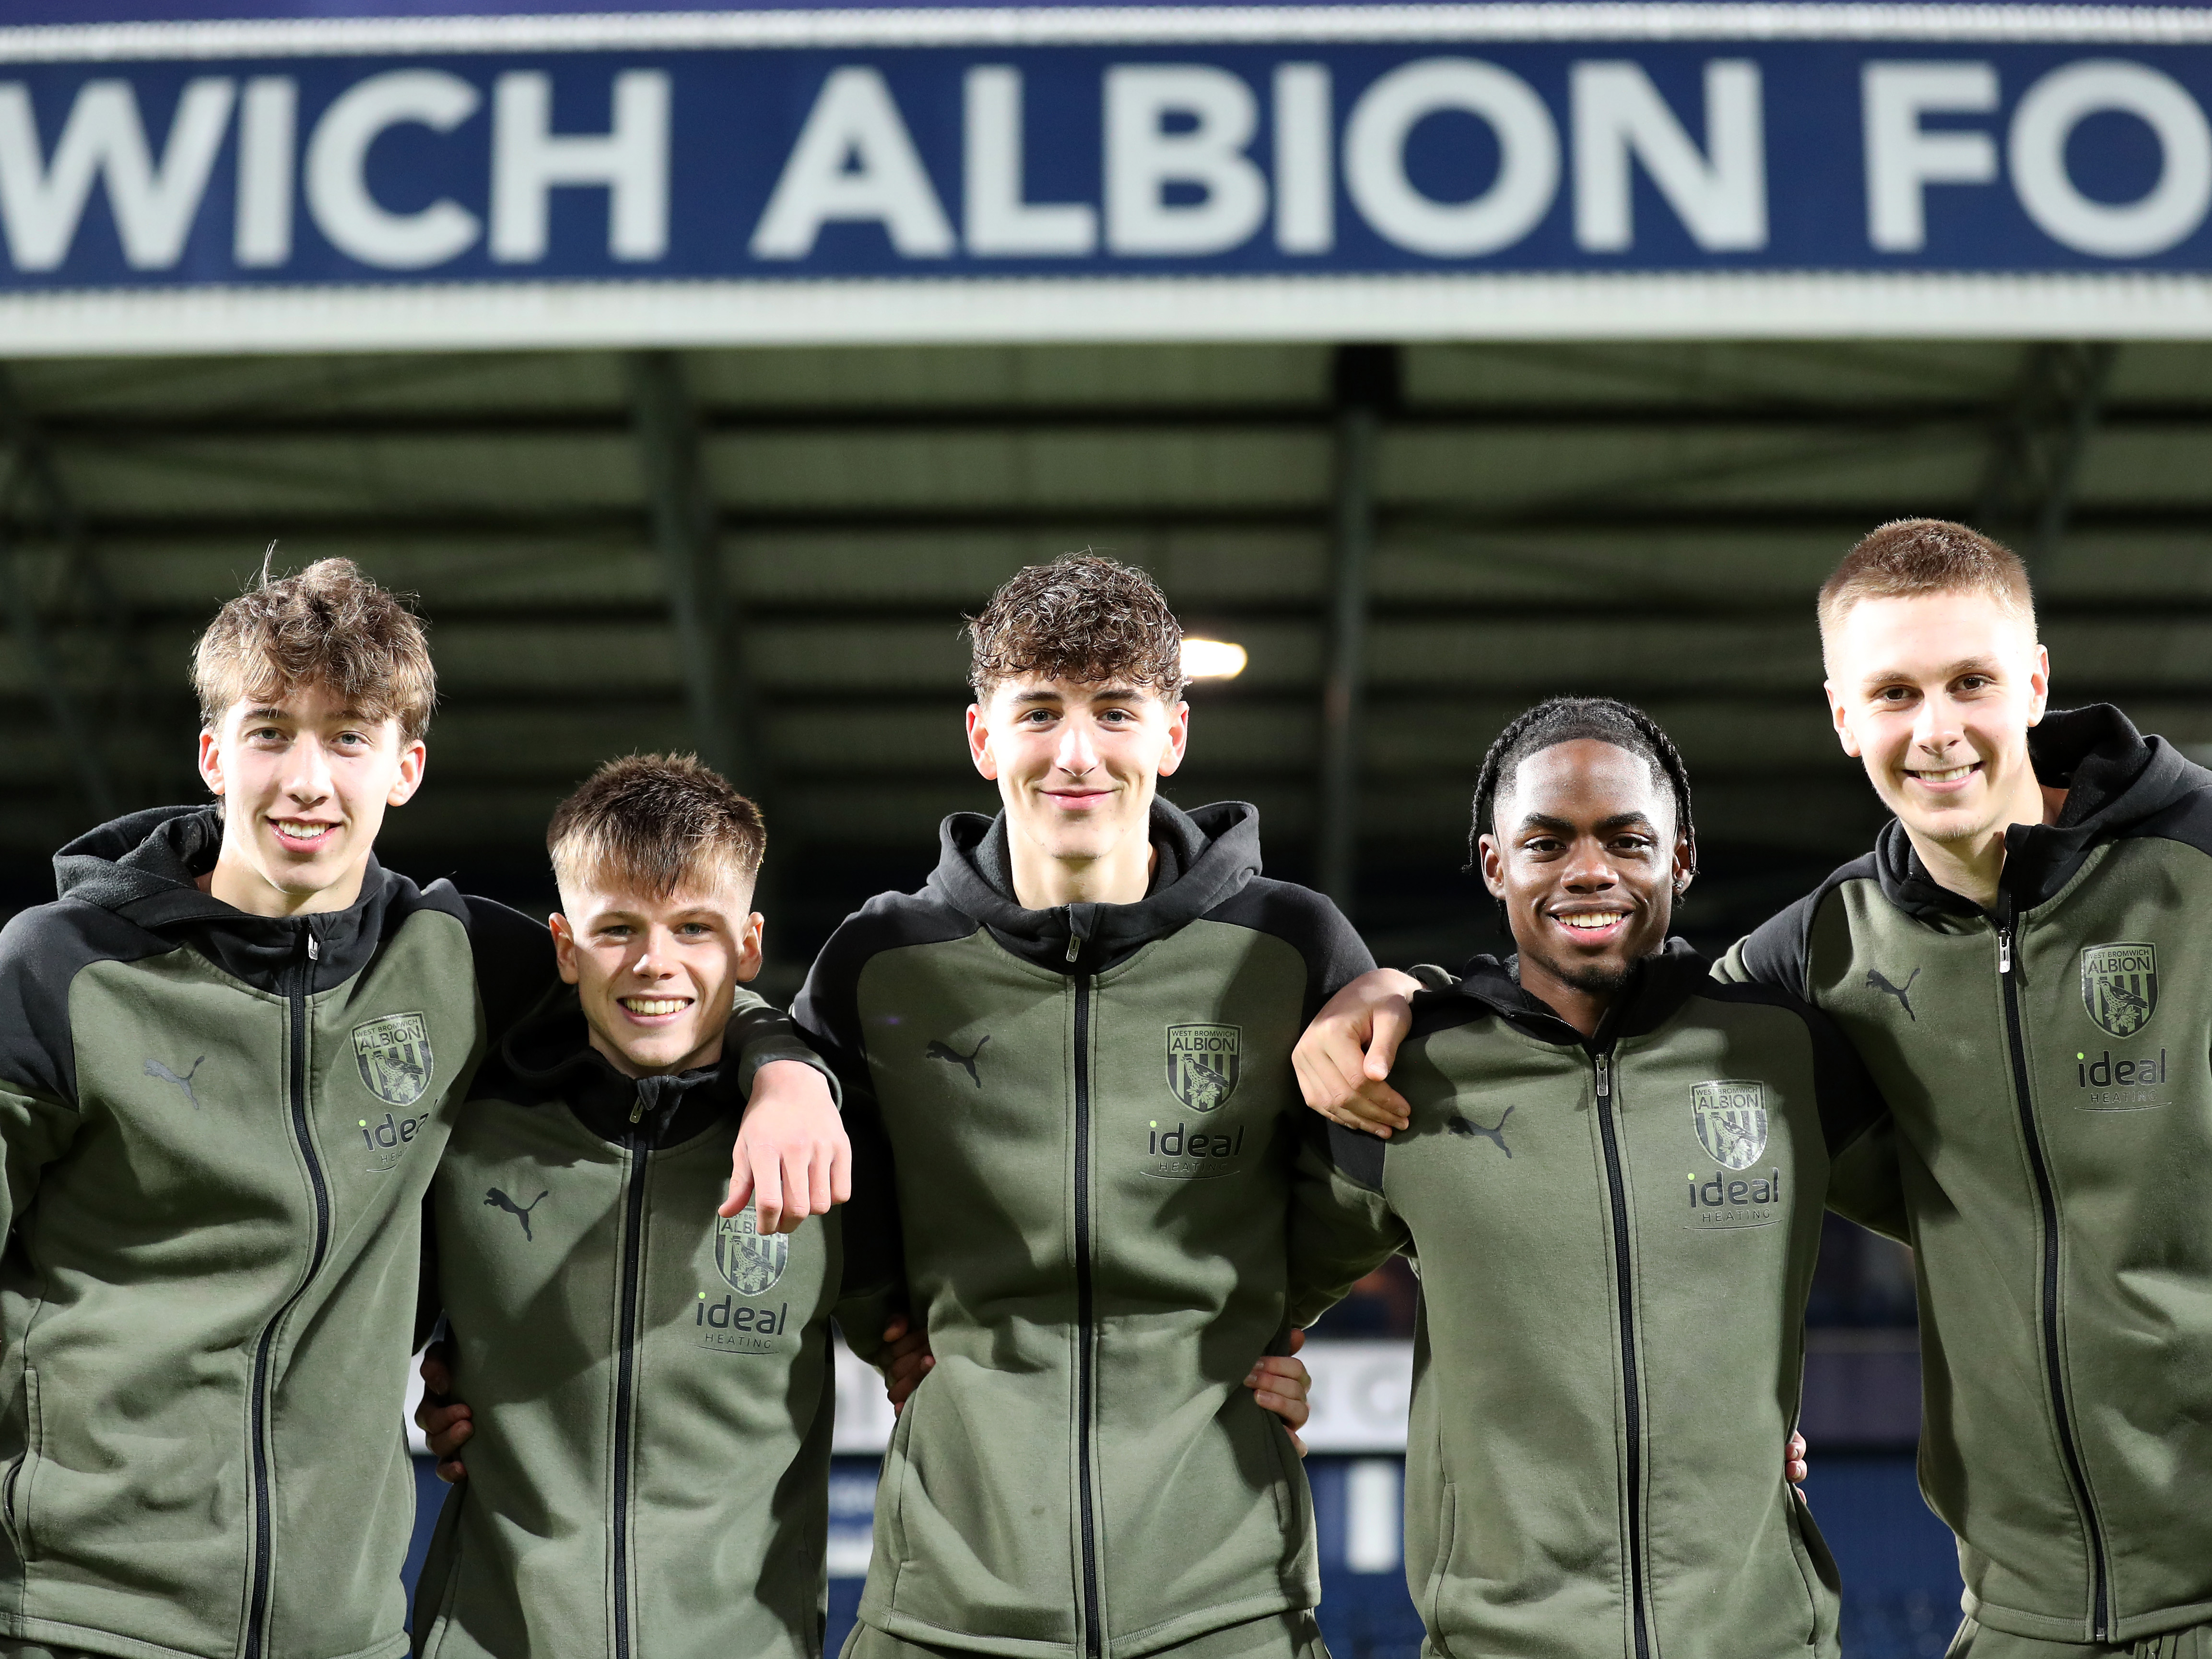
(1084, 618)
(328, 626)
(1571, 719)
(655, 825)
(1908, 557)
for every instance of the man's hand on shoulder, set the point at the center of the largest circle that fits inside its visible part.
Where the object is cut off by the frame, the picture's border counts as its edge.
(1344, 1059)
(445, 1421)
(792, 1159)
(1280, 1382)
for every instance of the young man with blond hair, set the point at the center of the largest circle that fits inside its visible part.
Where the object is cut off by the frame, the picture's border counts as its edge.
(2021, 962)
(231, 1052)
(649, 1381)
(1078, 1039)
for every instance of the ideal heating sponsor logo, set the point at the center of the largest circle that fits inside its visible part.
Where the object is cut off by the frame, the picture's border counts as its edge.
(752, 1264)
(388, 1137)
(2110, 1083)
(1730, 1119)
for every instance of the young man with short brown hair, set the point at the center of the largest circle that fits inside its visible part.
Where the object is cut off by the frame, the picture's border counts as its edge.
(648, 1381)
(230, 1054)
(1077, 1037)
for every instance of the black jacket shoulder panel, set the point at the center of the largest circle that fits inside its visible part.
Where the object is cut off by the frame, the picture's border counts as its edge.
(2188, 821)
(515, 967)
(1356, 1156)
(42, 951)
(1778, 951)
(1849, 1100)
(1334, 953)
(827, 1008)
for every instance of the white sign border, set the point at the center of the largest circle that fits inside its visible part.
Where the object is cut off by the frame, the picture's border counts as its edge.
(1510, 20)
(1474, 306)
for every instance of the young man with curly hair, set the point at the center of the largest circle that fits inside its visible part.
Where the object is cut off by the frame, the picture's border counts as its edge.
(230, 1054)
(1077, 1037)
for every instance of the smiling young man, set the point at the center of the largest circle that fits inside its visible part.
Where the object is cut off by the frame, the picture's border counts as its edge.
(2022, 963)
(1608, 1353)
(230, 1054)
(1077, 1037)
(649, 1381)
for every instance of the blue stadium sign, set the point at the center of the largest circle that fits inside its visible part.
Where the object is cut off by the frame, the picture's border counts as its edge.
(550, 176)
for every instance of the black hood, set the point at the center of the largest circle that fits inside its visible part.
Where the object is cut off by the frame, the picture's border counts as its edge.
(548, 1060)
(1662, 984)
(144, 868)
(2115, 780)
(1204, 857)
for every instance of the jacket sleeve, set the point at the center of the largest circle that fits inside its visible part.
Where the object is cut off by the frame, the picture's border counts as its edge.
(1864, 1184)
(39, 1111)
(826, 1017)
(761, 1033)
(1341, 1228)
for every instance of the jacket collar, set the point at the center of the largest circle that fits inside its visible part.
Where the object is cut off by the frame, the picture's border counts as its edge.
(1204, 857)
(1661, 985)
(2114, 778)
(548, 1058)
(145, 868)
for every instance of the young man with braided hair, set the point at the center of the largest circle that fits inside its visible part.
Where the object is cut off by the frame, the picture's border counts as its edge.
(1078, 1039)
(230, 1054)
(1608, 1351)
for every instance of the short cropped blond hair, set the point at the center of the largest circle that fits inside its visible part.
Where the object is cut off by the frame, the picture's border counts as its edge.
(327, 626)
(655, 825)
(1910, 557)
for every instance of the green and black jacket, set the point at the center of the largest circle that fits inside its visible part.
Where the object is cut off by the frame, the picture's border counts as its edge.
(650, 1383)
(2050, 1066)
(1094, 1126)
(1616, 1238)
(219, 1129)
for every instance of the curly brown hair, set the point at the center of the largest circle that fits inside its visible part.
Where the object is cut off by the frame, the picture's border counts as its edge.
(1081, 618)
(328, 626)
(656, 825)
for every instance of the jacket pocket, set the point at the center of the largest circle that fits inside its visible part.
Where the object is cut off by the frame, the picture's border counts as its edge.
(1432, 1607)
(1823, 1581)
(15, 1492)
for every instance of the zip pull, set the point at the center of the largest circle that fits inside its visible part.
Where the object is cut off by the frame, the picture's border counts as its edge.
(1605, 1077)
(1074, 946)
(637, 1112)
(2004, 950)
(314, 951)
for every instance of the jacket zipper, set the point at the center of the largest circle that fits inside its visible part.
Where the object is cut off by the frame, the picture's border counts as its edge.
(2048, 1197)
(633, 1259)
(1093, 1638)
(1624, 1282)
(257, 1621)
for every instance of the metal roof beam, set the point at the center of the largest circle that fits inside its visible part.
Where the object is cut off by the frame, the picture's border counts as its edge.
(2042, 428)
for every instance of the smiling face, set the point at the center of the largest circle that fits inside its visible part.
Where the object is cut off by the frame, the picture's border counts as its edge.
(305, 782)
(1935, 694)
(1583, 852)
(657, 976)
(1077, 766)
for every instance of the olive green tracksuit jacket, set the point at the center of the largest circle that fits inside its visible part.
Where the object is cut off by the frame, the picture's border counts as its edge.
(218, 1130)
(1094, 1124)
(650, 1383)
(2050, 1066)
(1616, 1238)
